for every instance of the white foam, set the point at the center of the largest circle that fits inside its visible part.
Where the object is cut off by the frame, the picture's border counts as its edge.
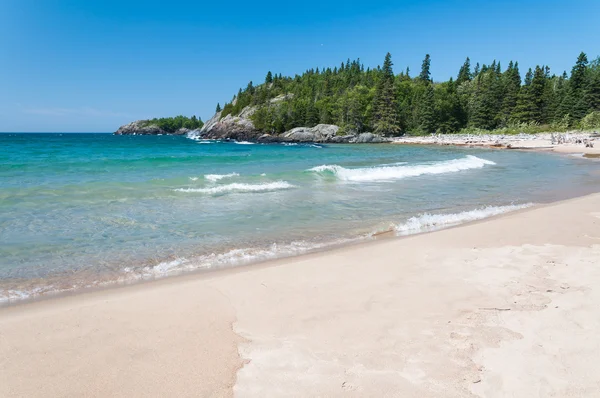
(194, 178)
(217, 177)
(244, 143)
(392, 173)
(238, 187)
(166, 266)
(234, 257)
(429, 222)
(211, 261)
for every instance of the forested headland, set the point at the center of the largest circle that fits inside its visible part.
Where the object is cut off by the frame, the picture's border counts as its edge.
(172, 124)
(481, 97)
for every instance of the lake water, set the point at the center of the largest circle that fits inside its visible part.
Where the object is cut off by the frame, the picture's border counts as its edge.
(79, 210)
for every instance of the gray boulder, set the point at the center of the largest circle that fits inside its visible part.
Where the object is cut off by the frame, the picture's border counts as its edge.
(319, 133)
(342, 139)
(370, 138)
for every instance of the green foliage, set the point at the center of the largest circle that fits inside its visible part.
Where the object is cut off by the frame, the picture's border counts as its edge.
(425, 74)
(591, 121)
(464, 74)
(384, 104)
(483, 99)
(218, 108)
(172, 124)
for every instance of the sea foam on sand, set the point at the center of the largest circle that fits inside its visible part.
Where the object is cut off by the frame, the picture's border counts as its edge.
(429, 222)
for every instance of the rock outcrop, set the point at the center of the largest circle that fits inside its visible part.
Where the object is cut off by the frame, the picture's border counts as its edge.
(239, 128)
(370, 138)
(319, 133)
(140, 127)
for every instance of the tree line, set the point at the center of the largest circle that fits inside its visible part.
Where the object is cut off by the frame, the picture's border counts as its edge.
(172, 124)
(483, 97)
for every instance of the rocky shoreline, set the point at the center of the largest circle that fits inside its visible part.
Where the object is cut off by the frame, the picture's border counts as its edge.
(241, 128)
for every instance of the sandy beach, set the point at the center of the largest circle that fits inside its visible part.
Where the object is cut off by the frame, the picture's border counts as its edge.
(585, 143)
(507, 307)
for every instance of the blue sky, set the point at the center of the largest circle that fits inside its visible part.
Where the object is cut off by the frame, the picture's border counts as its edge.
(94, 65)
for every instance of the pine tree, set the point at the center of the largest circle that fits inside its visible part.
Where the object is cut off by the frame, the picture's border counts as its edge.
(524, 111)
(578, 72)
(577, 84)
(464, 74)
(425, 74)
(511, 80)
(269, 78)
(537, 96)
(426, 115)
(561, 91)
(384, 104)
(425, 103)
(218, 108)
(486, 99)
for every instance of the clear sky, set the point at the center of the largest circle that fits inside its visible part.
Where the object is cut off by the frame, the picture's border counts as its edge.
(92, 65)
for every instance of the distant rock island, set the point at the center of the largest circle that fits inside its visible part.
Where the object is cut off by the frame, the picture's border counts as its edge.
(178, 125)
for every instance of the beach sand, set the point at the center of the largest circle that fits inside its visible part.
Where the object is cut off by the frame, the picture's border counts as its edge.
(574, 142)
(506, 307)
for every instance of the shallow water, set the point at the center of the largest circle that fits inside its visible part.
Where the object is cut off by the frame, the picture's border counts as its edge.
(81, 209)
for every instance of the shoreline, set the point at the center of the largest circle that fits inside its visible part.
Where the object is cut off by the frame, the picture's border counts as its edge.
(250, 308)
(586, 143)
(199, 272)
(276, 260)
(536, 144)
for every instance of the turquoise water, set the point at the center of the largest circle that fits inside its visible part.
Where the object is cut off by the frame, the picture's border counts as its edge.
(79, 210)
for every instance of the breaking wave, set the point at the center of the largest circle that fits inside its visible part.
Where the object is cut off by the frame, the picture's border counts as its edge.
(217, 177)
(430, 222)
(238, 187)
(380, 173)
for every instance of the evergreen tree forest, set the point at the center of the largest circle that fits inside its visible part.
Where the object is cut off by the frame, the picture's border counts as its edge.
(172, 124)
(483, 97)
